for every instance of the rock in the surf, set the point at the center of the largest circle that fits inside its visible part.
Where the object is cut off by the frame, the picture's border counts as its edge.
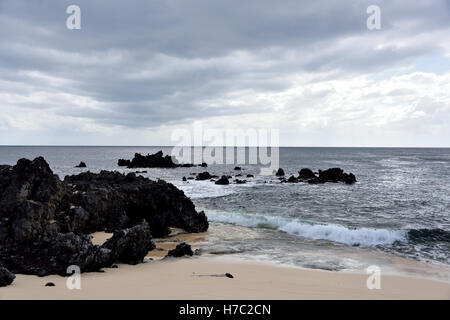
(183, 249)
(223, 180)
(81, 165)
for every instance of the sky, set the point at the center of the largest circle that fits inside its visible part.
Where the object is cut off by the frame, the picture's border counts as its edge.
(137, 71)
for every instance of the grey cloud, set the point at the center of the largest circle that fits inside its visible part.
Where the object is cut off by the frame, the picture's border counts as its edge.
(152, 62)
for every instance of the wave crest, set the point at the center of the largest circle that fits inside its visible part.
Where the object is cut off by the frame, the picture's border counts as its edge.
(332, 232)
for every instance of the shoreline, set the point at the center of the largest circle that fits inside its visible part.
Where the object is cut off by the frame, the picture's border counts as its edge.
(198, 278)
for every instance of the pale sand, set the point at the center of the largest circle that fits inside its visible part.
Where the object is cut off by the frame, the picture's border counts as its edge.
(186, 278)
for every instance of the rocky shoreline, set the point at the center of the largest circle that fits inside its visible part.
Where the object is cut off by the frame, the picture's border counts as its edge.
(45, 222)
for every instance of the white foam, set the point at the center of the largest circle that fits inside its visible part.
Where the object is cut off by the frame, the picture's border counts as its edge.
(332, 232)
(196, 189)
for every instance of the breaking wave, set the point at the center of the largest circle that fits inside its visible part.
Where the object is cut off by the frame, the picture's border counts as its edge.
(332, 232)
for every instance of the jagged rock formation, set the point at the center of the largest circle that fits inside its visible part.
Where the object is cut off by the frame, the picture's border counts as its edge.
(156, 160)
(45, 222)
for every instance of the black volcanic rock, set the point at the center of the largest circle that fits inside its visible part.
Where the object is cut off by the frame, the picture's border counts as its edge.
(237, 168)
(204, 164)
(223, 180)
(238, 181)
(45, 222)
(204, 176)
(156, 160)
(292, 179)
(131, 245)
(336, 175)
(280, 172)
(183, 249)
(305, 174)
(6, 277)
(81, 165)
(115, 201)
(333, 175)
(52, 253)
(124, 163)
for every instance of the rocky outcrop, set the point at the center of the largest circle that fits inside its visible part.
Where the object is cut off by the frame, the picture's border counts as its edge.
(223, 181)
(53, 253)
(114, 200)
(204, 176)
(45, 222)
(124, 163)
(156, 160)
(6, 277)
(306, 174)
(81, 165)
(280, 172)
(183, 249)
(333, 175)
(131, 245)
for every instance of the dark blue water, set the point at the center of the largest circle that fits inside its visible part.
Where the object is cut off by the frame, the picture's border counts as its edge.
(398, 189)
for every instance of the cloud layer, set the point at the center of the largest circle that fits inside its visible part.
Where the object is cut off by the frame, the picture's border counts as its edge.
(137, 70)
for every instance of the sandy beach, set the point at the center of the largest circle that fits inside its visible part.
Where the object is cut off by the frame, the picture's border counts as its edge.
(202, 277)
(197, 278)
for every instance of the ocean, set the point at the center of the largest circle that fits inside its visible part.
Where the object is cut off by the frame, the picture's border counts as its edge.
(399, 208)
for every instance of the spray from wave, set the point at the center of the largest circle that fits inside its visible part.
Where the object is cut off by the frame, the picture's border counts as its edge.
(332, 232)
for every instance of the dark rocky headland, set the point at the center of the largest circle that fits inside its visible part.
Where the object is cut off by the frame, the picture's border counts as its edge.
(45, 222)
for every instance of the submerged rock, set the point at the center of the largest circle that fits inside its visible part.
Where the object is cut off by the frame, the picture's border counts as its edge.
(6, 277)
(183, 249)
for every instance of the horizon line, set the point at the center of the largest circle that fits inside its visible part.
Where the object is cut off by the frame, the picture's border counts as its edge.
(171, 146)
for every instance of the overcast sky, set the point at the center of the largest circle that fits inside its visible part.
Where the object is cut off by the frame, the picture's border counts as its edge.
(137, 70)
